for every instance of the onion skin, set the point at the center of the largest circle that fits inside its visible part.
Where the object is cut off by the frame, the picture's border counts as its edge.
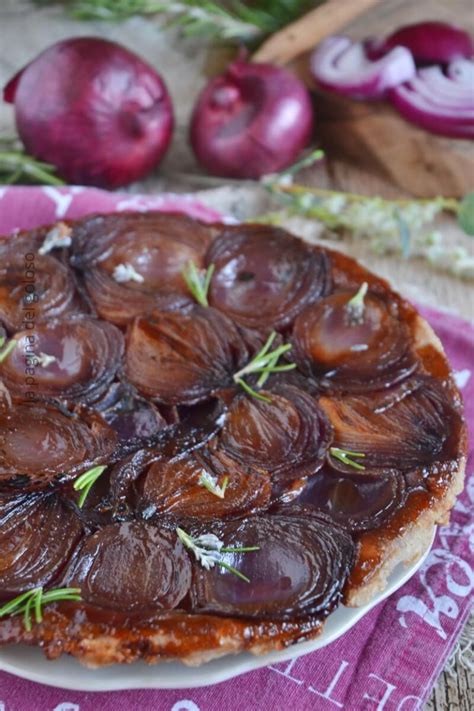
(256, 264)
(43, 443)
(158, 246)
(429, 42)
(253, 120)
(300, 569)
(94, 110)
(342, 66)
(132, 567)
(88, 354)
(37, 537)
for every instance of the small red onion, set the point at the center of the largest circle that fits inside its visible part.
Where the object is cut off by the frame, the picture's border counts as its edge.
(438, 102)
(253, 120)
(94, 110)
(342, 66)
(429, 42)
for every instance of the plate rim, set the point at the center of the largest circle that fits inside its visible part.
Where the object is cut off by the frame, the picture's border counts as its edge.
(233, 667)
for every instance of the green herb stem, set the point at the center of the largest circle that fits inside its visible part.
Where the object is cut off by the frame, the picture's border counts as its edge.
(265, 363)
(30, 604)
(198, 281)
(346, 456)
(86, 481)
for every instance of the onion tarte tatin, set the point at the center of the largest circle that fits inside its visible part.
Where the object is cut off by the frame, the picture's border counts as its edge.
(210, 437)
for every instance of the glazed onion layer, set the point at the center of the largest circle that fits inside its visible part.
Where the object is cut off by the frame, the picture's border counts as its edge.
(264, 276)
(74, 358)
(132, 264)
(44, 443)
(300, 569)
(37, 536)
(288, 436)
(183, 358)
(352, 353)
(132, 567)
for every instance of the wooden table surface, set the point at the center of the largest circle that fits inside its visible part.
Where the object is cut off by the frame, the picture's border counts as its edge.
(25, 31)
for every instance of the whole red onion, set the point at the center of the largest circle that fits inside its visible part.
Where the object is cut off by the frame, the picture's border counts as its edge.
(93, 109)
(253, 120)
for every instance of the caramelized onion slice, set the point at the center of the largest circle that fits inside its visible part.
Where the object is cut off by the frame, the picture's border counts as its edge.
(411, 426)
(134, 567)
(356, 501)
(154, 247)
(37, 537)
(349, 353)
(74, 358)
(136, 421)
(289, 436)
(300, 569)
(173, 486)
(183, 357)
(43, 443)
(264, 277)
(34, 288)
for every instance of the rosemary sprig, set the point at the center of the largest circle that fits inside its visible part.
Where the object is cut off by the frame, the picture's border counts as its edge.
(233, 20)
(198, 281)
(5, 350)
(31, 603)
(355, 306)
(16, 166)
(346, 456)
(209, 482)
(86, 481)
(265, 363)
(208, 550)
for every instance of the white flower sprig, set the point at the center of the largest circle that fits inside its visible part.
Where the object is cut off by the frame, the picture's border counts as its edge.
(127, 272)
(208, 550)
(355, 306)
(58, 236)
(210, 483)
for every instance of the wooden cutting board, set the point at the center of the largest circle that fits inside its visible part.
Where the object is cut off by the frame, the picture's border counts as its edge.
(372, 135)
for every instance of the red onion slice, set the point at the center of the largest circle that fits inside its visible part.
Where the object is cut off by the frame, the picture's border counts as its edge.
(134, 567)
(300, 569)
(37, 536)
(132, 264)
(340, 65)
(356, 501)
(44, 443)
(264, 276)
(438, 103)
(183, 358)
(72, 359)
(429, 42)
(173, 487)
(352, 355)
(289, 436)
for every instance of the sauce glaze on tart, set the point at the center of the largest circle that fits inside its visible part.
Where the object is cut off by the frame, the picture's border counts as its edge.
(133, 375)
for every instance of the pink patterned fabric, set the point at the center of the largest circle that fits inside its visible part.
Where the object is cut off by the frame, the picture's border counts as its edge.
(391, 658)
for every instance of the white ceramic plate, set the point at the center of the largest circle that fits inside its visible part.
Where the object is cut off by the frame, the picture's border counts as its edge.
(67, 673)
